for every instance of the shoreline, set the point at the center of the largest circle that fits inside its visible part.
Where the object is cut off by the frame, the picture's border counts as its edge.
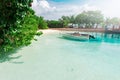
(100, 30)
(48, 30)
(78, 29)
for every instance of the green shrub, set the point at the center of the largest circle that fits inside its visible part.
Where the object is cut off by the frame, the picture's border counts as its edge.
(39, 33)
(21, 35)
(41, 23)
(18, 24)
(55, 24)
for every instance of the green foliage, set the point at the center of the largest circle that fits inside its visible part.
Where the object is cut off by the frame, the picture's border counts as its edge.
(41, 23)
(81, 18)
(113, 21)
(12, 11)
(55, 24)
(39, 33)
(90, 18)
(67, 19)
(20, 36)
(18, 24)
(64, 20)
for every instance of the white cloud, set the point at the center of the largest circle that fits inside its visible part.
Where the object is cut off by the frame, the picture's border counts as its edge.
(110, 8)
(43, 8)
(52, 10)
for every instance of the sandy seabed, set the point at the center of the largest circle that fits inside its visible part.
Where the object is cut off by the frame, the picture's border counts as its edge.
(63, 60)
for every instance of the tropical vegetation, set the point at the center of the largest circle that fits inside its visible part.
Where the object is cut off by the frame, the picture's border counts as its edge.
(86, 18)
(18, 24)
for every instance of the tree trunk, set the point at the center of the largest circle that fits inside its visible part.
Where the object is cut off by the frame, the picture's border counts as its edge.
(113, 27)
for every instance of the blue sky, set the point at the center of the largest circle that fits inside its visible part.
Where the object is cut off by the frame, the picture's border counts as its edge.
(54, 9)
(69, 1)
(62, 0)
(66, 1)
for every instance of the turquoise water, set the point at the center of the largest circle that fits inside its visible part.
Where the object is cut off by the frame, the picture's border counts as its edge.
(56, 58)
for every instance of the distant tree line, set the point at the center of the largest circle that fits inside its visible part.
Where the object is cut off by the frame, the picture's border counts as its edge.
(88, 19)
(55, 24)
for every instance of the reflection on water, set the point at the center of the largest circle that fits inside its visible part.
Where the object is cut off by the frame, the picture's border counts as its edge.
(109, 38)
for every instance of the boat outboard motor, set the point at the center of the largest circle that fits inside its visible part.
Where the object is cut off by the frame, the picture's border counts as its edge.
(91, 37)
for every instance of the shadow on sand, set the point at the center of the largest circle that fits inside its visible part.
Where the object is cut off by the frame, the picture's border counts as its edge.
(7, 57)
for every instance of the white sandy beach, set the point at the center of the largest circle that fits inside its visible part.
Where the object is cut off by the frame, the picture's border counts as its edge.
(49, 31)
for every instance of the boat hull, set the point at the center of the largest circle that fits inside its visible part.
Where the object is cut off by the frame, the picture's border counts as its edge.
(73, 37)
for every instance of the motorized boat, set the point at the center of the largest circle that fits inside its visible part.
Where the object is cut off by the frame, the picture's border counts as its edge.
(78, 36)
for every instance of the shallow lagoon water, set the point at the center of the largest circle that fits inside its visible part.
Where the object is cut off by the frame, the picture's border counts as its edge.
(54, 58)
